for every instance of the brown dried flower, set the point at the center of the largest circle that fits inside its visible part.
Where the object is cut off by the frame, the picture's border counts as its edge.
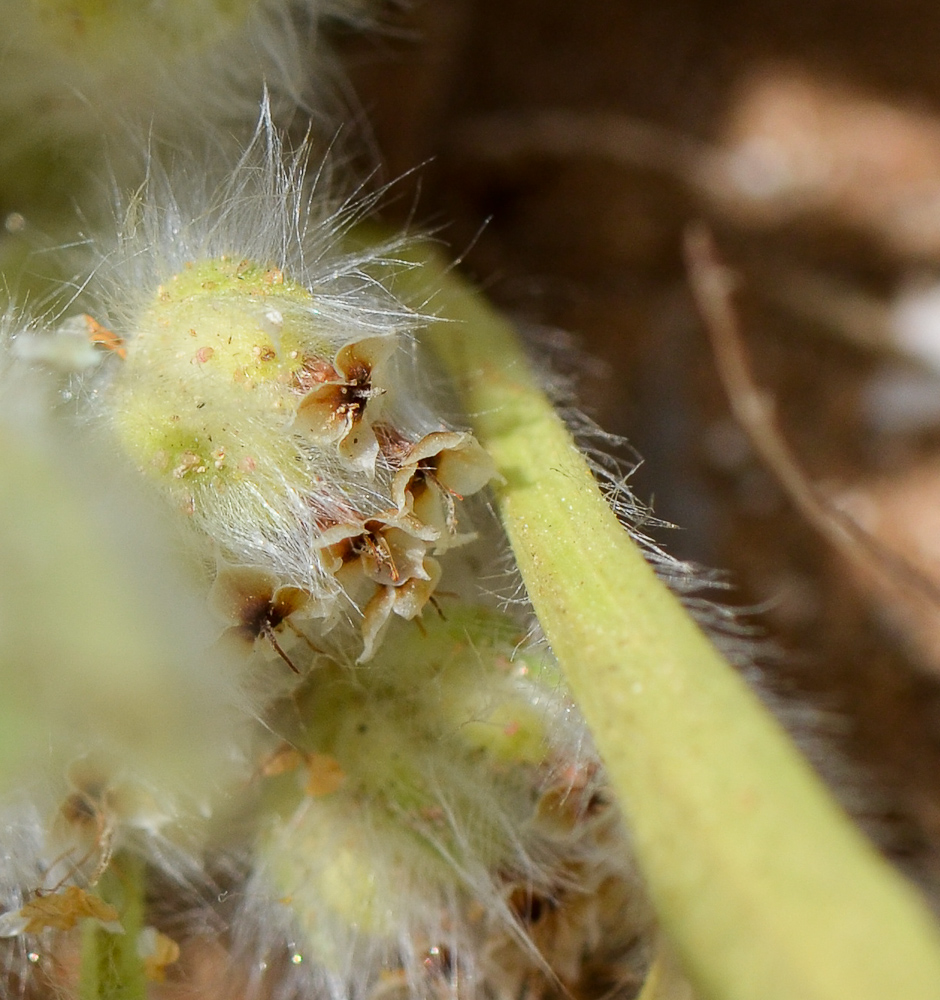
(341, 409)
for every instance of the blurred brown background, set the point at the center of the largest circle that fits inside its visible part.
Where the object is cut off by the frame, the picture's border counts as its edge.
(564, 148)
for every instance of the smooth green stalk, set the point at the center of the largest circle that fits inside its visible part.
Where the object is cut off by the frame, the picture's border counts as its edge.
(765, 888)
(111, 968)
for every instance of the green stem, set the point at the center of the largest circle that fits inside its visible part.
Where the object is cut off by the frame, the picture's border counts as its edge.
(766, 889)
(111, 969)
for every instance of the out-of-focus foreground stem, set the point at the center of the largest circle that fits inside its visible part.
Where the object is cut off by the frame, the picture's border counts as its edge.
(111, 968)
(767, 891)
(100, 651)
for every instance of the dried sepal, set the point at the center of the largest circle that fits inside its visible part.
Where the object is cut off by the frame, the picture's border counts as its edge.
(104, 338)
(85, 828)
(434, 473)
(258, 608)
(343, 407)
(325, 775)
(389, 548)
(406, 601)
(157, 951)
(382, 564)
(282, 760)
(60, 910)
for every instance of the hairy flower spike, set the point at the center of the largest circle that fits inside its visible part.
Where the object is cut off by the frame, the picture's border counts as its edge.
(430, 808)
(440, 800)
(258, 372)
(212, 398)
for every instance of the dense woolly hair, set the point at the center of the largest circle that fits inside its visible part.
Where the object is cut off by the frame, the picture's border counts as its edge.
(454, 835)
(261, 204)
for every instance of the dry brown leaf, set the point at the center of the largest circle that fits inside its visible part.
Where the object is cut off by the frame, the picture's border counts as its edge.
(62, 910)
